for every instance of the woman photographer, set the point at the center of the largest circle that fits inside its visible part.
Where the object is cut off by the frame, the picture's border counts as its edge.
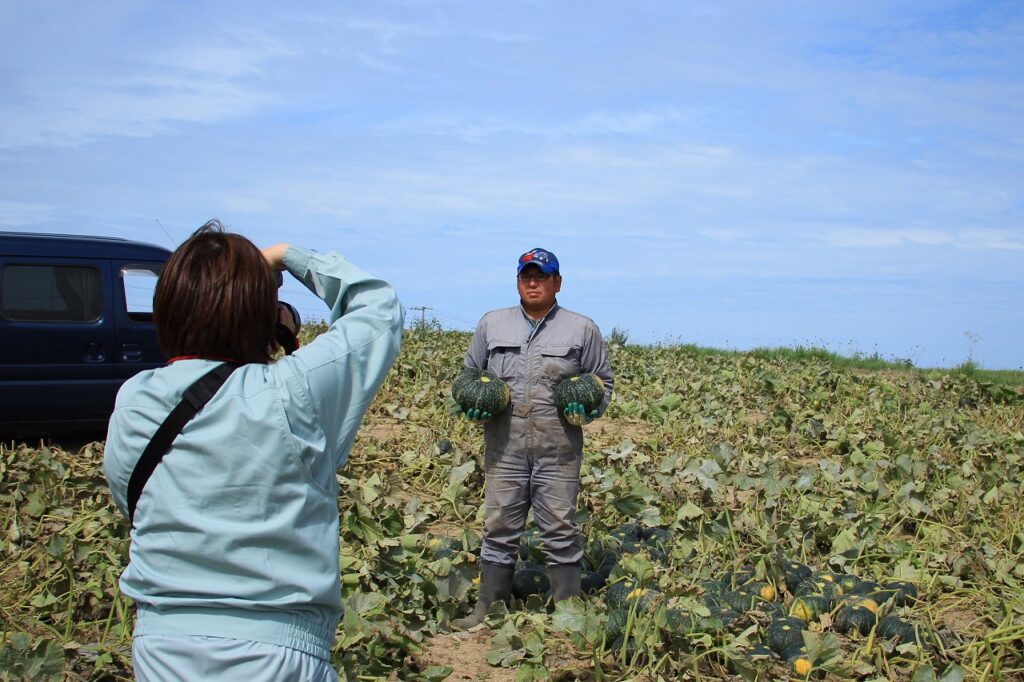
(233, 563)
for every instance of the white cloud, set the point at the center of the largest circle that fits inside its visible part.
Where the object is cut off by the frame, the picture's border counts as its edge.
(18, 214)
(971, 238)
(192, 84)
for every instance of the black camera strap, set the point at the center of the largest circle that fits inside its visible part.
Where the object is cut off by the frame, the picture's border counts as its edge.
(196, 396)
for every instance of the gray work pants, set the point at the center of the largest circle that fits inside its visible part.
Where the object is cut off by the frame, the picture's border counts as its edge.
(551, 485)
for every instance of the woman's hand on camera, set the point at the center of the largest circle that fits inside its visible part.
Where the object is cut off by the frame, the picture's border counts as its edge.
(275, 256)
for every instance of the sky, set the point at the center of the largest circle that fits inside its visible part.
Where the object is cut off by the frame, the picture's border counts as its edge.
(846, 175)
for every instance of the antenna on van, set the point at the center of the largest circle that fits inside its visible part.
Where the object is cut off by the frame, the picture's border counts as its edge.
(169, 238)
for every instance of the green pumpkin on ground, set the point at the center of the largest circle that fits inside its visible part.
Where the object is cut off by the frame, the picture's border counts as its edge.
(528, 579)
(895, 628)
(810, 607)
(783, 634)
(852, 620)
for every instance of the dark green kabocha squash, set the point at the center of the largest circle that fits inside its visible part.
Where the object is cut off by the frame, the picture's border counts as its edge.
(810, 607)
(616, 595)
(800, 663)
(760, 651)
(528, 579)
(737, 579)
(627, 532)
(443, 547)
(783, 634)
(852, 620)
(901, 593)
(599, 558)
(793, 573)
(848, 582)
(862, 601)
(680, 620)
(646, 599)
(819, 586)
(741, 601)
(656, 537)
(764, 591)
(895, 628)
(864, 587)
(481, 390)
(617, 619)
(585, 389)
(591, 581)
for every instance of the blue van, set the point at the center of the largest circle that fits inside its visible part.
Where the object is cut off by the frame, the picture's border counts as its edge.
(76, 321)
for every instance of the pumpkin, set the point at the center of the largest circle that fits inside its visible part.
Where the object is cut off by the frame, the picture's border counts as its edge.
(617, 619)
(679, 620)
(737, 579)
(599, 559)
(819, 586)
(585, 389)
(864, 587)
(810, 607)
(591, 581)
(765, 591)
(443, 547)
(647, 600)
(529, 578)
(861, 601)
(848, 582)
(617, 592)
(894, 627)
(783, 634)
(854, 619)
(793, 573)
(741, 601)
(901, 593)
(481, 390)
(758, 651)
(800, 663)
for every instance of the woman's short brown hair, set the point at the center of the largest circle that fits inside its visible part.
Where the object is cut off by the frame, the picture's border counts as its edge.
(217, 298)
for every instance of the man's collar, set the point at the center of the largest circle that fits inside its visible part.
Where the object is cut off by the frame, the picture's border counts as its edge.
(551, 311)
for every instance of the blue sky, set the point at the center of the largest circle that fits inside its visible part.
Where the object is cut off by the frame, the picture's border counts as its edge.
(732, 174)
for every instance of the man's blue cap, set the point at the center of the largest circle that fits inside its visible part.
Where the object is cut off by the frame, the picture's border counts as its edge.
(542, 258)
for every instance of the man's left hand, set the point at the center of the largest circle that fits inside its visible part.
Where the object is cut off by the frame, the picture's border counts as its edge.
(577, 415)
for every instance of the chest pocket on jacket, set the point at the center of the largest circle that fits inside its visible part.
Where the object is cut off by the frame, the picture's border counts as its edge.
(502, 358)
(560, 362)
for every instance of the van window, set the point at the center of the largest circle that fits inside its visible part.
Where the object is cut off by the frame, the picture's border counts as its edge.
(139, 287)
(51, 293)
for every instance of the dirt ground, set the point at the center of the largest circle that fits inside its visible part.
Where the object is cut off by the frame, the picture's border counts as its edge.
(466, 653)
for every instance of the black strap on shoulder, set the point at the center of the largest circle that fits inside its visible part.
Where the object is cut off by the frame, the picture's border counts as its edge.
(196, 395)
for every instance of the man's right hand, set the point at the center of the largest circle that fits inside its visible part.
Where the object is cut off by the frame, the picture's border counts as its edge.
(473, 414)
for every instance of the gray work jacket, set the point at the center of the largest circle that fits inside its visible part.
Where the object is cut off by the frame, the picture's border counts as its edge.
(532, 360)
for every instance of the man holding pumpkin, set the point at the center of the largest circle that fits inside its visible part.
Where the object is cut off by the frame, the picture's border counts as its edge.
(533, 451)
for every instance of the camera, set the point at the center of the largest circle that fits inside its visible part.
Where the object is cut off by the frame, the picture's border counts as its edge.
(288, 322)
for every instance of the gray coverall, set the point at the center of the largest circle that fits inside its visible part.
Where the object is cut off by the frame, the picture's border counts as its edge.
(532, 454)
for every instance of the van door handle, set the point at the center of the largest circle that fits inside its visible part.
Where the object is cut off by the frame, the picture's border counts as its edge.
(94, 352)
(131, 352)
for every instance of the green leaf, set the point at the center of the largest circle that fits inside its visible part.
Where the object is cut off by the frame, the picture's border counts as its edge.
(844, 541)
(953, 673)
(688, 511)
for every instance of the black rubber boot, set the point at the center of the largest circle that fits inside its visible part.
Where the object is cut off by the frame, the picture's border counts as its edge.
(565, 581)
(495, 585)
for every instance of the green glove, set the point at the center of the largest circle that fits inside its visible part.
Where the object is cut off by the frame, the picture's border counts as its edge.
(473, 414)
(577, 415)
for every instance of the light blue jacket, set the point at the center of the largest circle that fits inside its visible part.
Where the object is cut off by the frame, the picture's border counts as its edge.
(236, 532)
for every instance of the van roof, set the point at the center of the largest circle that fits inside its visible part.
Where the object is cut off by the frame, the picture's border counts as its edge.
(77, 246)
